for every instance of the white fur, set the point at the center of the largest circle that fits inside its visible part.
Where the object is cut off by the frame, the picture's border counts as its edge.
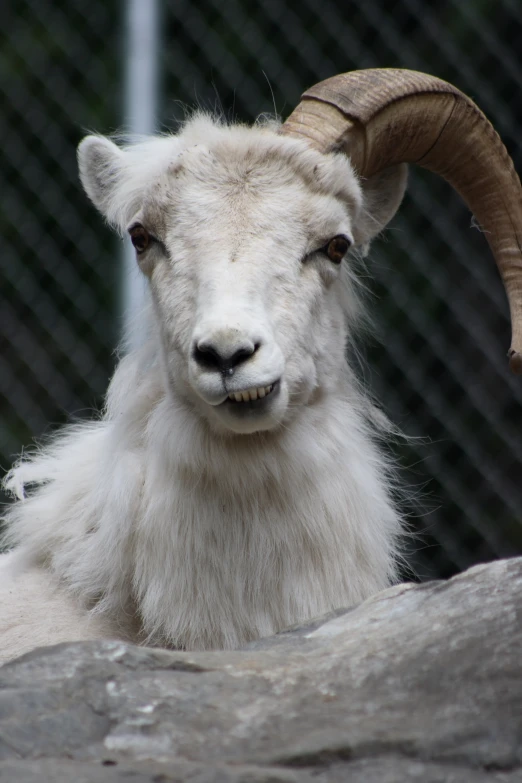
(178, 519)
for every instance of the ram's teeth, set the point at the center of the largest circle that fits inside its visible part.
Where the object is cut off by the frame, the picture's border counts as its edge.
(251, 394)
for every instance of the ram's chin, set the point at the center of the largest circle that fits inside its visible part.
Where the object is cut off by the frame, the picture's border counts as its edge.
(244, 417)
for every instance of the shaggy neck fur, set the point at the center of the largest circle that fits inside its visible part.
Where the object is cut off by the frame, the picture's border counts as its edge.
(200, 541)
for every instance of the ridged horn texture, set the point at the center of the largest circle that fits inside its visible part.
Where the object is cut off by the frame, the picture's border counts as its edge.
(384, 116)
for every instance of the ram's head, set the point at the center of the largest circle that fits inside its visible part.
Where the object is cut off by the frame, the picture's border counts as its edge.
(245, 233)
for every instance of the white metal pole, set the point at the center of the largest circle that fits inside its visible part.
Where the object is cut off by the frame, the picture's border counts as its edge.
(142, 52)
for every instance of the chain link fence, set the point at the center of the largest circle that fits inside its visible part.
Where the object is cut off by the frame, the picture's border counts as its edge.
(438, 363)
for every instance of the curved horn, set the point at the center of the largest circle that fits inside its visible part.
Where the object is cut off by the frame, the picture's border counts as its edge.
(384, 116)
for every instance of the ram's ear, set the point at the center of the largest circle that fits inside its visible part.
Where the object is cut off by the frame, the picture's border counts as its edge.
(100, 163)
(382, 194)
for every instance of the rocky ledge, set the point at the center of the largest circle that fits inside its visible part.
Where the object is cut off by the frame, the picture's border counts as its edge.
(420, 683)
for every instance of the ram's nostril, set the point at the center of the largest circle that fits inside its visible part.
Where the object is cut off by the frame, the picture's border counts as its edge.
(206, 355)
(223, 358)
(241, 355)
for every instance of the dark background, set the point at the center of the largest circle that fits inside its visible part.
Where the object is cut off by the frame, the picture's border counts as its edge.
(437, 362)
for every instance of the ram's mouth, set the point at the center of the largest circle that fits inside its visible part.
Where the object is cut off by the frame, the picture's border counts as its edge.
(251, 395)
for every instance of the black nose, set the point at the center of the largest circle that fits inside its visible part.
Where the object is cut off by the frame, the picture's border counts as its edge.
(208, 355)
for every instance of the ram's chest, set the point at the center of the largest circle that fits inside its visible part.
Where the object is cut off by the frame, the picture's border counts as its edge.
(227, 577)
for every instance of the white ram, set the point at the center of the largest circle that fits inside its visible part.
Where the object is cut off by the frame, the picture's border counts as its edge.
(234, 484)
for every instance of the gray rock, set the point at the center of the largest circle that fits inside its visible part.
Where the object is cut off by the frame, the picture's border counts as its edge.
(420, 683)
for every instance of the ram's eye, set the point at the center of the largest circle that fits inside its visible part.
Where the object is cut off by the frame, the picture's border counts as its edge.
(337, 248)
(140, 237)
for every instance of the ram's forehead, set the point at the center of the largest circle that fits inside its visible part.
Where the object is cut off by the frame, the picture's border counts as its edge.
(258, 193)
(151, 171)
(237, 156)
(208, 167)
